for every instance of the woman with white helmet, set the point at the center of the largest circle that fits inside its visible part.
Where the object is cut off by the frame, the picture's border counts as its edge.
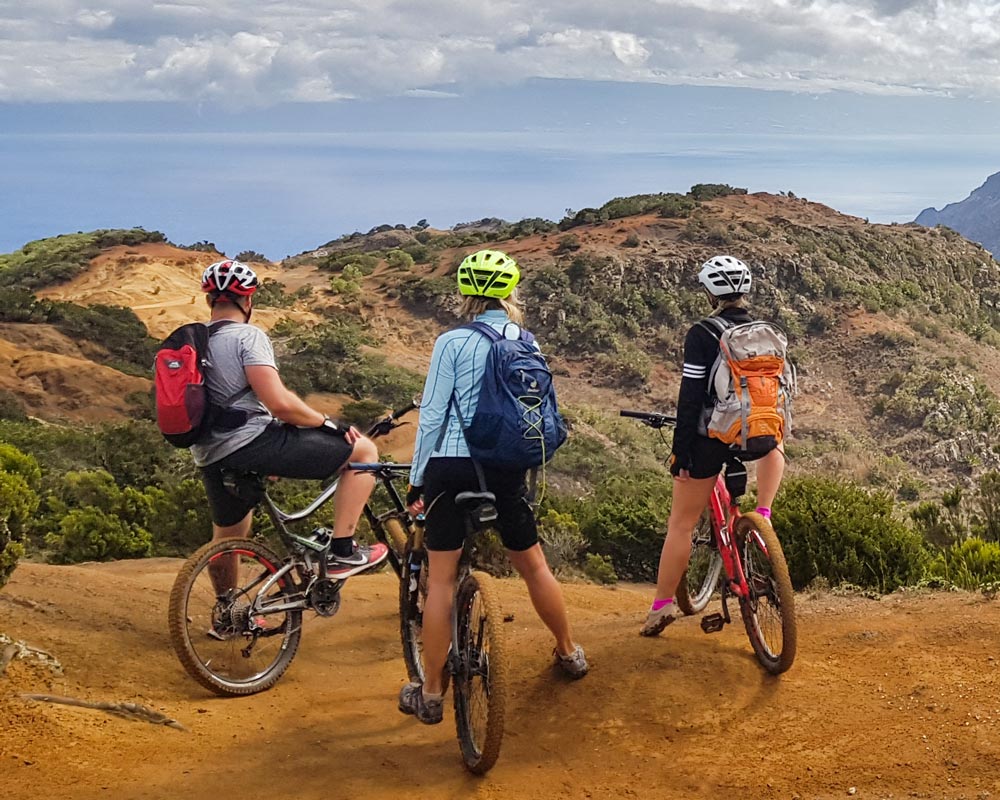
(696, 460)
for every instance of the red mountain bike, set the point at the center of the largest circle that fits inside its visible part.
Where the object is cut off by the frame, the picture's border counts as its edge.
(745, 548)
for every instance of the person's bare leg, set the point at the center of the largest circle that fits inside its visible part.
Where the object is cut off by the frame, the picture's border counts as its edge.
(222, 571)
(689, 500)
(353, 490)
(546, 594)
(436, 634)
(770, 469)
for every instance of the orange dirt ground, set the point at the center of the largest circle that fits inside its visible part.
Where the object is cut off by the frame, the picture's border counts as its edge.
(890, 699)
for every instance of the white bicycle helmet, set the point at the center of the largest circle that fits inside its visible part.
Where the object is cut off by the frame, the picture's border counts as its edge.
(725, 275)
(229, 276)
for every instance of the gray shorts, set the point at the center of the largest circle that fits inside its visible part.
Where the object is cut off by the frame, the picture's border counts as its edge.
(281, 449)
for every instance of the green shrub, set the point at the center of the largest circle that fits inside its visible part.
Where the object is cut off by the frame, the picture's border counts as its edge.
(400, 259)
(838, 531)
(18, 502)
(599, 569)
(710, 191)
(271, 293)
(362, 412)
(561, 539)
(625, 520)
(971, 564)
(89, 534)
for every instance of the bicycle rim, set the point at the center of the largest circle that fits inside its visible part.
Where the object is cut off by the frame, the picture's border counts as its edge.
(219, 641)
(701, 578)
(480, 682)
(769, 612)
(412, 595)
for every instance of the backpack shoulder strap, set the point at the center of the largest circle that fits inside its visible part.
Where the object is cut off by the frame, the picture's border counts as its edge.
(716, 326)
(485, 329)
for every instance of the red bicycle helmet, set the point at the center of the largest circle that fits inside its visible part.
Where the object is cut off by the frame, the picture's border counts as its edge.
(230, 276)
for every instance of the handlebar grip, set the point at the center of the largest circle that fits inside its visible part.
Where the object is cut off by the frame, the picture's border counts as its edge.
(634, 414)
(405, 410)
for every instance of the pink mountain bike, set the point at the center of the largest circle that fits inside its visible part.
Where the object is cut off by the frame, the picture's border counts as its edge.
(739, 555)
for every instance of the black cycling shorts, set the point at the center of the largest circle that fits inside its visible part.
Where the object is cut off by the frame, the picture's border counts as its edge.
(445, 528)
(282, 450)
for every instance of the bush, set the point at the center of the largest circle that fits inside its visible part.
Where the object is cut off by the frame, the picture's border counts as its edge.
(710, 191)
(600, 569)
(562, 540)
(971, 564)
(625, 520)
(254, 256)
(89, 534)
(838, 531)
(18, 502)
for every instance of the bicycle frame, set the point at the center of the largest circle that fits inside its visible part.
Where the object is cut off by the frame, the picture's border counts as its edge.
(724, 513)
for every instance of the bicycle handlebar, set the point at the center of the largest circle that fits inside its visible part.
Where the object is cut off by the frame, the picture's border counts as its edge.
(651, 418)
(383, 426)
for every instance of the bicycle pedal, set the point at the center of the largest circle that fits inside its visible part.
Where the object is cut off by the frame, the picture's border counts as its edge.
(713, 623)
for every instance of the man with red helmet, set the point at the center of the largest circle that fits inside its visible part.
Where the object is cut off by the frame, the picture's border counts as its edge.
(267, 428)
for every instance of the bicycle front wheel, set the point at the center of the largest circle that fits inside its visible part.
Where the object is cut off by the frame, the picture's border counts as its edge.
(480, 678)
(223, 642)
(412, 596)
(769, 610)
(701, 578)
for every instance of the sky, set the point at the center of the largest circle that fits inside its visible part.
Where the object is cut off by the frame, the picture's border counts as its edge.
(279, 125)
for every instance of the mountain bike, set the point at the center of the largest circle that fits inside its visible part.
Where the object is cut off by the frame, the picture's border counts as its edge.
(746, 549)
(235, 614)
(477, 664)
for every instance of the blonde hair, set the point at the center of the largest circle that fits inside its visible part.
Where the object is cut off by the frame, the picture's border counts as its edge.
(473, 306)
(736, 302)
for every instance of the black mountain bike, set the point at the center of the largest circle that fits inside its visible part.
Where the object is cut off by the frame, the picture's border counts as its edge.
(235, 615)
(477, 663)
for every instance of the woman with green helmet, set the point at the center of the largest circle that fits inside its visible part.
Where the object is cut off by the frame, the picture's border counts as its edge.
(442, 467)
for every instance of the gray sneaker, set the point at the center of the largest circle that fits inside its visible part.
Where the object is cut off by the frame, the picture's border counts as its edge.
(575, 664)
(412, 701)
(656, 621)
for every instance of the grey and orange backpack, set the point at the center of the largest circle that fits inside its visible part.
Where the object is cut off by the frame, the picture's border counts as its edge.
(752, 384)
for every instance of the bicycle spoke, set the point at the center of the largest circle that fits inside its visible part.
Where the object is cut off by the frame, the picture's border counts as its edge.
(231, 640)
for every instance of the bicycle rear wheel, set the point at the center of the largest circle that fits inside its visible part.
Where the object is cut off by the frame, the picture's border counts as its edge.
(412, 596)
(480, 679)
(701, 578)
(221, 643)
(769, 611)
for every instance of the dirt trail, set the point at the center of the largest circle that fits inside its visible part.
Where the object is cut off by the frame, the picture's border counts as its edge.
(894, 698)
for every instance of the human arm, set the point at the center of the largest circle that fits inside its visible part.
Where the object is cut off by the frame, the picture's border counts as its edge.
(438, 390)
(700, 350)
(279, 400)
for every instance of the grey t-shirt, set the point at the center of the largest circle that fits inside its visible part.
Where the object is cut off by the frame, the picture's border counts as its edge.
(230, 349)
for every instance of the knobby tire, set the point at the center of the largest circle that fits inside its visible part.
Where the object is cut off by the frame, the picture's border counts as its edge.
(412, 596)
(771, 605)
(217, 665)
(480, 631)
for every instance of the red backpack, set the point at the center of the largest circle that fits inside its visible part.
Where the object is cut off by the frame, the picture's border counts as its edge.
(184, 411)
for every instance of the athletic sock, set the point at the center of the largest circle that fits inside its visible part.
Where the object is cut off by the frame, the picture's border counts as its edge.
(342, 547)
(431, 698)
(658, 604)
(764, 511)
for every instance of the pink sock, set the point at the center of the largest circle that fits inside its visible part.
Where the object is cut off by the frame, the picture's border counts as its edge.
(764, 511)
(658, 604)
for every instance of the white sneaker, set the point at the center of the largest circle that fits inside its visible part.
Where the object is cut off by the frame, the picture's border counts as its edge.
(656, 621)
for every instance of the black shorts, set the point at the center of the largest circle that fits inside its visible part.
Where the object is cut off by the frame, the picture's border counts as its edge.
(709, 456)
(283, 450)
(446, 477)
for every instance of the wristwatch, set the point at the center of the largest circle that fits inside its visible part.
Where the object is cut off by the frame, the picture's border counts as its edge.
(332, 427)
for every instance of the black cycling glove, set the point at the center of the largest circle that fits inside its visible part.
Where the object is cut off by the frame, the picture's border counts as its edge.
(331, 427)
(413, 494)
(677, 463)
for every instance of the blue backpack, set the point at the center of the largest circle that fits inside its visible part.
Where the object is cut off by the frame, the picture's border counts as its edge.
(517, 424)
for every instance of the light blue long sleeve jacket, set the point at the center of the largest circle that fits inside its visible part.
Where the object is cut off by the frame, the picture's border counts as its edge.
(457, 366)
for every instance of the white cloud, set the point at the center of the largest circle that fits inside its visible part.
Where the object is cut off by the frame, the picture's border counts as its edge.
(244, 52)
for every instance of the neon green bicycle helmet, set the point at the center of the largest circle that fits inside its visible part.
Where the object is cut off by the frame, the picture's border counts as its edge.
(488, 273)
